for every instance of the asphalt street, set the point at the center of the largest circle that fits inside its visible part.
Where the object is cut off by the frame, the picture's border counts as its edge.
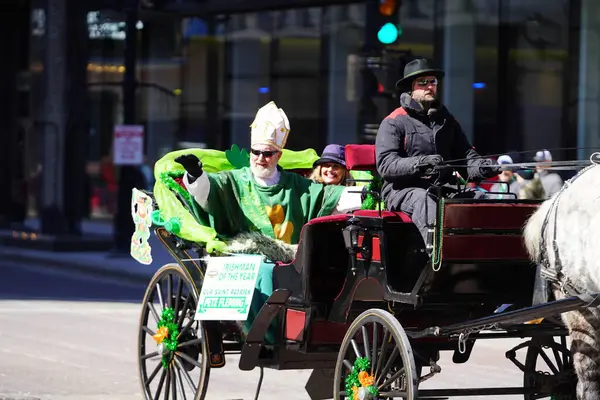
(72, 337)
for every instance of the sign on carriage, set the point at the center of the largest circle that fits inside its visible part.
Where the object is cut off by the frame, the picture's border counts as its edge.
(128, 145)
(228, 288)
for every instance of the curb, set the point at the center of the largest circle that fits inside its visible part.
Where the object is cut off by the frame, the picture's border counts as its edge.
(90, 269)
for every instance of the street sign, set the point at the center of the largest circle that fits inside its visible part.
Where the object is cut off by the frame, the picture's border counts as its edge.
(128, 145)
(228, 288)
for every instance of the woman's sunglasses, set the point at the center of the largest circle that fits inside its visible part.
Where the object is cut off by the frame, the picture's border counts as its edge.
(425, 82)
(266, 153)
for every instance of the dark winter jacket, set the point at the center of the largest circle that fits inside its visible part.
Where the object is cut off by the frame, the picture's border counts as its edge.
(408, 134)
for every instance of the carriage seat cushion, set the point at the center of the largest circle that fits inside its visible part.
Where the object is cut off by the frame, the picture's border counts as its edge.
(329, 218)
(360, 157)
(391, 216)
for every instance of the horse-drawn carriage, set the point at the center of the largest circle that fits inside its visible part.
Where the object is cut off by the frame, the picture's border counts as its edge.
(369, 306)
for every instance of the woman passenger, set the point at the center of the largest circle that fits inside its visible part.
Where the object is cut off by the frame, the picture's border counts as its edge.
(330, 169)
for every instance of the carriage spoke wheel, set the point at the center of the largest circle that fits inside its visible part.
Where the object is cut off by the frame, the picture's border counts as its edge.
(375, 360)
(549, 369)
(173, 355)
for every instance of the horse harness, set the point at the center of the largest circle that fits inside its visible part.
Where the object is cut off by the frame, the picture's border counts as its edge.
(553, 273)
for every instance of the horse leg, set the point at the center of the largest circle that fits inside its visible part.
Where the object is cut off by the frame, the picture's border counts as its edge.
(584, 330)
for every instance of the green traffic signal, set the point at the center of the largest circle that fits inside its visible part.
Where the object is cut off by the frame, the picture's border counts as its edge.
(389, 33)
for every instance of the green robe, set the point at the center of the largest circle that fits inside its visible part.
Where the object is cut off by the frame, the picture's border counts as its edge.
(236, 203)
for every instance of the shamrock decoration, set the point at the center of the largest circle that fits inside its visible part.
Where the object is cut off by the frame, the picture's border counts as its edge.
(369, 202)
(166, 335)
(360, 383)
(237, 157)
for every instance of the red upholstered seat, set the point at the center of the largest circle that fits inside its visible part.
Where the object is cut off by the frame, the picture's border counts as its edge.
(360, 157)
(329, 218)
(395, 216)
(180, 182)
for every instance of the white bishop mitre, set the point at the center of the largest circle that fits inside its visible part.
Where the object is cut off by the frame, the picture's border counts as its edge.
(270, 126)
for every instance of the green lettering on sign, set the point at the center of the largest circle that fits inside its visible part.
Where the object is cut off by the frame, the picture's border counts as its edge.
(224, 302)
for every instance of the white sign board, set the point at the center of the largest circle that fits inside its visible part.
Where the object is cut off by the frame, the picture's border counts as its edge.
(228, 288)
(128, 145)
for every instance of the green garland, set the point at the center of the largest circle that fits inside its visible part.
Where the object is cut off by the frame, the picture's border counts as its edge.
(375, 185)
(361, 364)
(168, 179)
(173, 225)
(167, 320)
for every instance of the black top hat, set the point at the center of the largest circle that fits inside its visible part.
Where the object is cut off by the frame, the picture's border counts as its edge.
(416, 68)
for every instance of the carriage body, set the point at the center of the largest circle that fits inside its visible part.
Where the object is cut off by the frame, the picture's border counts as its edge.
(475, 268)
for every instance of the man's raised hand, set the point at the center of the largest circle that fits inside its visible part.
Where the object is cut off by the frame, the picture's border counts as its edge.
(192, 165)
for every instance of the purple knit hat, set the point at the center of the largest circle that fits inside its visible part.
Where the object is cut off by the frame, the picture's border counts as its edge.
(332, 153)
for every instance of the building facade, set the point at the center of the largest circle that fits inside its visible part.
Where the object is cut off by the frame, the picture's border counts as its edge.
(520, 75)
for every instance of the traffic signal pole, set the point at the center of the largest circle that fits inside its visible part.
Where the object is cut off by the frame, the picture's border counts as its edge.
(380, 67)
(372, 48)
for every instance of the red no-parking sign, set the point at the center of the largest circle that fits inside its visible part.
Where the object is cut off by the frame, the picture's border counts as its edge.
(128, 145)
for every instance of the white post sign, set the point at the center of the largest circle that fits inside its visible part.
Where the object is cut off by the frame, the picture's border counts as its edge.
(128, 145)
(228, 288)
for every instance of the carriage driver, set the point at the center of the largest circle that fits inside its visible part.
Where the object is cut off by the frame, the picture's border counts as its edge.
(263, 196)
(417, 136)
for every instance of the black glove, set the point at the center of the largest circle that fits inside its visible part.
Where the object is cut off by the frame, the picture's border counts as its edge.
(363, 193)
(426, 164)
(192, 165)
(486, 168)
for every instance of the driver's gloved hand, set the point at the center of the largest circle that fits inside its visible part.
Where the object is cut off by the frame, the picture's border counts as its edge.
(426, 164)
(192, 165)
(488, 168)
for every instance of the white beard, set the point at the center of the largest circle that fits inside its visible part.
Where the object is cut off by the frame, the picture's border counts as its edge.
(263, 173)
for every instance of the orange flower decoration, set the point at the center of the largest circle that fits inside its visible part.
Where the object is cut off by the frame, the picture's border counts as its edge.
(161, 334)
(355, 393)
(365, 379)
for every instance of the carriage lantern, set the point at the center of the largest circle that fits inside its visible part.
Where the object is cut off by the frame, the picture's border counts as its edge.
(351, 234)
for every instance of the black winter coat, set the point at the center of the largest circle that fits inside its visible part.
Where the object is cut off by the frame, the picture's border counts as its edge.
(408, 134)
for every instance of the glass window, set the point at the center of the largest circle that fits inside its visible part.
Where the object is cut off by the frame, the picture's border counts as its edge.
(537, 64)
(296, 80)
(417, 19)
(158, 76)
(105, 73)
(344, 33)
(248, 81)
(203, 73)
(505, 63)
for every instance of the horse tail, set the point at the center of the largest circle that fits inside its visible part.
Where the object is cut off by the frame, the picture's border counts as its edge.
(533, 231)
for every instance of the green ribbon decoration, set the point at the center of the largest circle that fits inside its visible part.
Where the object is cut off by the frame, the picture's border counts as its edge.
(173, 225)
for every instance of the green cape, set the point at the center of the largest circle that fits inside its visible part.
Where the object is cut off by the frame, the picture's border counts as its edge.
(177, 218)
(195, 226)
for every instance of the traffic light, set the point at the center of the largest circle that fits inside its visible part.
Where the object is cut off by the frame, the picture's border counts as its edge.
(389, 30)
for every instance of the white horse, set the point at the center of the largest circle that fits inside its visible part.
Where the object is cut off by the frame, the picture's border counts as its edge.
(561, 237)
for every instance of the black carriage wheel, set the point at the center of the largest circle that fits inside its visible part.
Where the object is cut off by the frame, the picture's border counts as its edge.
(374, 341)
(182, 372)
(549, 369)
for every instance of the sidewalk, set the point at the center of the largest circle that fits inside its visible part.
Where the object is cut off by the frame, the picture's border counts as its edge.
(89, 262)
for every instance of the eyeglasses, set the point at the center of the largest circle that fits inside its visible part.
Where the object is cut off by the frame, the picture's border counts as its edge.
(266, 153)
(425, 82)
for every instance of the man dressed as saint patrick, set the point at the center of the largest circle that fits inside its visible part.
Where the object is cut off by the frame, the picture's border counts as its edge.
(263, 197)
